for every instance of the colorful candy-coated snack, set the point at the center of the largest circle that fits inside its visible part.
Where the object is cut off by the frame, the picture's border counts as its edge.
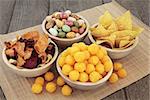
(69, 22)
(68, 12)
(93, 60)
(55, 27)
(74, 75)
(83, 26)
(49, 76)
(39, 80)
(79, 56)
(50, 87)
(117, 66)
(71, 19)
(70, 35)
(66, 90)
(36, 88)
(60, 81)
(76, 24)
(66, 69)
(75, 16)
(53, 31)
(69, 60)
(81, 30)
(66, 28)
(59, 23)
(113, 78)
(80, 21)
(80, 67)
(74, 29)
(89, 68)
(83, 77)
(77, 34)
(48, 18)
(63, 15)
(61, 34)
(59, 30)
(122, 73)
(94, 76)
(100, 68)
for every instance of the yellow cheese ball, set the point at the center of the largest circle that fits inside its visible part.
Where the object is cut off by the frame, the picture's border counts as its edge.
(79, 56)
(39, 80)
(60, 81)
(49, 76)
(117, 66)
(90, 68)
(100, 68)
(76, 45)
(100, 54)
(104, 74)
(61, 61)
(82, 46)
(104, 51)
(105, 58)
(108, 65)
(66, 90)
(51, 87)
(113, 78)
(80, 67)
(74, 50)
(93, 48)
(83, 77)
(69, 60)
(122, 73)
(93, 60)
(95, 76)
(64, 53)
(37, 88)
(74, 75)
(66, 69)
(87, 54)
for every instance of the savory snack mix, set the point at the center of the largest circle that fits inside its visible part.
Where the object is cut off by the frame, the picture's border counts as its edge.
(65, 24)
(85, 63)
(119, 33)
(31, 50)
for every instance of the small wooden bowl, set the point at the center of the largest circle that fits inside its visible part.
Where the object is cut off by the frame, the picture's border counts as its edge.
(64, 42)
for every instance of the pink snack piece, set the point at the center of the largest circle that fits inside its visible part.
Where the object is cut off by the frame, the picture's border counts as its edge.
(63, 15)
(69, 23)
(81, 30)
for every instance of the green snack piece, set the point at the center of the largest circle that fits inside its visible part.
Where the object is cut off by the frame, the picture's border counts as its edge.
(66, 28)
(59, 30)
(61, 34)
(76, 24)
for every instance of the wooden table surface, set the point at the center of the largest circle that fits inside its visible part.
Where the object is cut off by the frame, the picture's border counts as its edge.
(19, 14)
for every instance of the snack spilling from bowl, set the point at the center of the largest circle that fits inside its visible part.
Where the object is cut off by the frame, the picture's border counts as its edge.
(65, 25)
(31, 50)
(85, 63)
(119, 33)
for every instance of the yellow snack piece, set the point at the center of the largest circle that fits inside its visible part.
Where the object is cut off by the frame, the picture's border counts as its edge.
(94, 76)
(108, 65)
(87, 54)
(39, 80)
(117, 66)
(69, 60)
(89, 68)
(104, 50)
(66, 90)
(79, 56)
(51, 87)
(60, 81)
(105, 59)
(80, 67)
(49, 76)
(113, 27)
(82, 46)
(66, 69)
(100, 54)
(104, 74)
(36, 88)
(93, 60)
(65, 53)
(113, 78)
(100, 68)
(93, 48)
(74, 49)
(74, 75)
(122, 73)
(83, 77)
(61, 61)
(86, 62)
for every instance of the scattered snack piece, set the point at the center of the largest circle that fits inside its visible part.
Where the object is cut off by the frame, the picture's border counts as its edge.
(39, 80)
(122, 73)
(60, 81)
(66, 90)
(36, 88)
(113, 78)
(117, 66)
(49, 76)
(51, 87)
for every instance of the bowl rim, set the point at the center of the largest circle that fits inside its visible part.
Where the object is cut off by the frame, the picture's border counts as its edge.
(65, 39)
(34, 69)
(83, 83)
(113, 50)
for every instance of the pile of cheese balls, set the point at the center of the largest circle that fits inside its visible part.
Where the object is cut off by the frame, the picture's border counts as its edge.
(85, 63)
(51, 84)
(65, 24)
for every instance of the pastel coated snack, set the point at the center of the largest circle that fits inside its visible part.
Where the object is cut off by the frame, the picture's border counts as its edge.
(65, 24)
